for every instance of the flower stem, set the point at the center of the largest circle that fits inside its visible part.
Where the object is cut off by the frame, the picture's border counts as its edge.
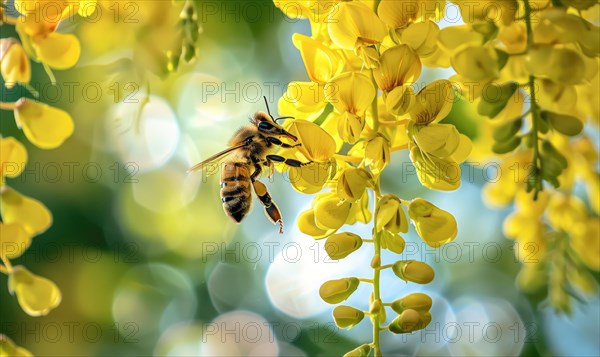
(347, 158)
(376, 293)
(366, 280)
(8, 105)
(7, 267)
(535, 110)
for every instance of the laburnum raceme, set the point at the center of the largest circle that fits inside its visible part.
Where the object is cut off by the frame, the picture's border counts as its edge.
(360, 105)
(531, 67)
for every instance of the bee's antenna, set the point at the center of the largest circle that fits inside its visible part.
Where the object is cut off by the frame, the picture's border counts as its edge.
(267, 104)
(281, 118)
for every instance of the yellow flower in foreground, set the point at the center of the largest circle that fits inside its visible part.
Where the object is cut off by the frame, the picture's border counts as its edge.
(390, 216)
(13, 157)
(8, 348)
(14, 63)
(433, 103)
(399, 65)
(45, 126)
(354, 24)
(303, 100)
(320, 61)
(434, 225)
(30, 213)
(14, 240)
(36, 295)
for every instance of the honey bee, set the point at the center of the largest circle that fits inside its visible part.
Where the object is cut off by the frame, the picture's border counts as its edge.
(242, 163)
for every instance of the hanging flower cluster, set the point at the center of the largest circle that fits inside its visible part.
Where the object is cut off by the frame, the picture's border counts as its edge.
(361, 105)
(47, 127)
(532, 68)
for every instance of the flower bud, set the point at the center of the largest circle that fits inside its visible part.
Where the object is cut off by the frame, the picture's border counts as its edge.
(13, 157)
(336, 291)
(330, 213)
(408, 321)
(377, 154)
(36, 295)
(347, 316)
(375, 307)
(399, 100)
(350, 127)
(14, 63)
(340, 245)
(413, 270)
(352, 184)
(369, 56)
(392, 242)
(14, 240)
(390, 216)
(376, 261)
(8, 348)
(434, 225)
(417, 301)
(360, 351)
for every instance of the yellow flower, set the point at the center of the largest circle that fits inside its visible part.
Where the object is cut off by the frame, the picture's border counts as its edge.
(14, 240)
(352, 184)
(433, 103)
(409, 321)
(422, 37)
(399, 65)
(360, 351)
(586, 242)
(434, 225)
(321, 62)
(303, 100)
(57, 50)
(413, 270)
(330, 211)
(351, 93)
(353, 24)
(389, 215)
(347, 316)
(30, 213)
(377, 154)
(36, 295)
(45, 126)
(336, 291)
(476, 63)
(564, 212)
(8, 348)
(416, 301)
(13, 157)
(307, 225)
(14, 63)
(340, 245)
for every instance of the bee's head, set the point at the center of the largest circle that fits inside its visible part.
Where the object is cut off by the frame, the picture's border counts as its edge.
(267, 126)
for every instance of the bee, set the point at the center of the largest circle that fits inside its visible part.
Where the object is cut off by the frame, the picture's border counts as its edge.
(250, 149)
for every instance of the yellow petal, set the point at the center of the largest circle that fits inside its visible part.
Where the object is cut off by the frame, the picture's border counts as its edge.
(422, 37)
(310, 178)
(434, 225)
(354, 24)
(476, 63)
(436, 173)
(13, 157)
(307, 225)
(433, 103)
(350, 92)
(440, 140)
(87, 7)
(377, 154)
(331, 212)
(465, 146)
(303, 100)
(455, 38)
(400, 100)
(14, 240)
(29, 212)
(399, 65)
(57, 50)
(36, 295)
(317, 144)
(45, 126)
(352, 184)
(14, 63)
(321, 62)
(350, 126)
(8, 348)
(398, 14)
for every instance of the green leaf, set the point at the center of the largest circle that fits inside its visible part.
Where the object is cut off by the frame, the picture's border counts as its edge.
(508, 130)
(551, 153)
(565, 124)
(506, 146)
(493, 101)
(502, 58)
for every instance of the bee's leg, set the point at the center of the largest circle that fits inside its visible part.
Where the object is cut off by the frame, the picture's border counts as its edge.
(278, 142)
(271, 209)
(257, 171)
(289, 162)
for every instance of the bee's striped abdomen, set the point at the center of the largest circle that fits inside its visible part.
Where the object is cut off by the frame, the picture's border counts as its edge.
(235, 189)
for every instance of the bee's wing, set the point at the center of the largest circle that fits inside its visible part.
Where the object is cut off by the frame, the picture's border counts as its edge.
(214, 158)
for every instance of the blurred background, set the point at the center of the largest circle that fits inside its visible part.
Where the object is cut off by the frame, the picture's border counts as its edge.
(147, 262)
